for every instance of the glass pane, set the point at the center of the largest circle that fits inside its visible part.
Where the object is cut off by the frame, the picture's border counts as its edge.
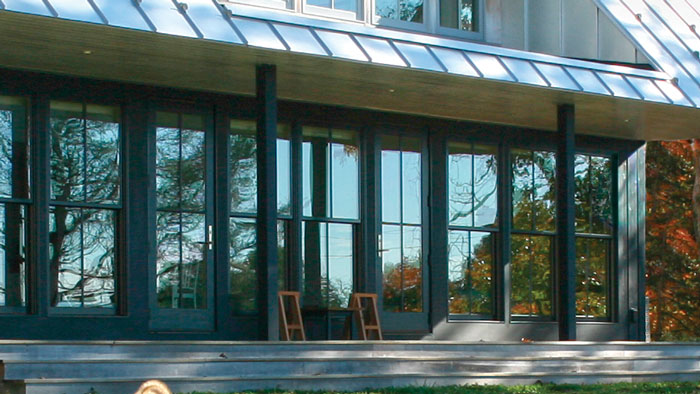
(167, 259)
(582, 195)
(461, 181)
(192, 167)
(346, 5)
(180, 166)
(13, 258)
(531, 263)
(411, 184)
(85, 152)
(470, 275)
(391, 178)
(472, 185)
(522, 189)
(320, 3)
(601, 191)
(102, 154)
(328, 264)
(282, 256)
(314, 262)
(592, 285)
(99, 258)
(412, 269)
(181, 272)
(67, 152)
(315, 171)
(66, 258)
(391, 267)
(83, 257)
(340, 264)
(485, 187)
(345, 169)
(411, 10)
(284, 170)
(598, 279)
(14, 148)
(545, 191)
(243, 280)
(243, 166)
(459, 14)
(386, 9)
(168, 168)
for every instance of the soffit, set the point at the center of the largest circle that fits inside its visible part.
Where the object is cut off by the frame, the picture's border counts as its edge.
(203, 46)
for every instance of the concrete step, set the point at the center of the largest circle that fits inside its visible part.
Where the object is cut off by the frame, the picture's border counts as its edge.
(220, 367)
(333, 382)
(128, 350)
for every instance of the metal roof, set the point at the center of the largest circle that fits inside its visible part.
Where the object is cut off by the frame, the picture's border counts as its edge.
(666, 31)
(210, 20)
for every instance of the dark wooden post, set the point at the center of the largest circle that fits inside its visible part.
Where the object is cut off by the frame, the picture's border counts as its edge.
(266, 89)
(566, 242)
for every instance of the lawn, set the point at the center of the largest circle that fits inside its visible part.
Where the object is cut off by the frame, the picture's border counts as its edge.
(667, 387)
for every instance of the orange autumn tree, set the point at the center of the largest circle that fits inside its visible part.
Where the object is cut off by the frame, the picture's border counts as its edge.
(673, 230)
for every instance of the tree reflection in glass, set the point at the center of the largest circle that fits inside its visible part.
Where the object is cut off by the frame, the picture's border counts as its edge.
(402, 216)
(534, 193)
(403, 10)
(85, 198)
(181, 270)
(14, 184)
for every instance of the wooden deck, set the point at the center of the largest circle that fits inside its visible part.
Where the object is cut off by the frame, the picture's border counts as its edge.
(119, 367)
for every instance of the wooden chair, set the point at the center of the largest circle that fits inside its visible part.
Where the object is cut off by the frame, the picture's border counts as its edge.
(371, 324)
(290, 321)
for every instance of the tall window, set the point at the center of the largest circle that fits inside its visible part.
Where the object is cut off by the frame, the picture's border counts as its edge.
(473, 224)
(243, 282)
(14, 202)
(331, 212)
(181, 234)
(594, 233)
(85, 204)
(532, 240)
(402, 219)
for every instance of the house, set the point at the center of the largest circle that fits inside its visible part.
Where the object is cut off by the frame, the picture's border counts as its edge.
(168, 167)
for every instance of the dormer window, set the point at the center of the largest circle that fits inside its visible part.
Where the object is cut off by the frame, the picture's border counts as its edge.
(457, 18)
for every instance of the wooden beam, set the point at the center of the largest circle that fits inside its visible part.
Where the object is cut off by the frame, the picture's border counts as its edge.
(566, 240)
(266, 94)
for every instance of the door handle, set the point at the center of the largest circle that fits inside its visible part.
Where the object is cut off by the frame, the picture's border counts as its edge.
(210, 236)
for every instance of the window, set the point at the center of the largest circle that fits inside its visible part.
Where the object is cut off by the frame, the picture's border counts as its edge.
(400, 10)
(243, 281)
(331, 212)
(181, 269)
(594, 233)
(473, 225)
(349, 9)
(402, 219)
(14, 203)
(450, 17)
(532, 239)
(85, 204)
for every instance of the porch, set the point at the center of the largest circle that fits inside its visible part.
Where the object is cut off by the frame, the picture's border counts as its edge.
(120, 366)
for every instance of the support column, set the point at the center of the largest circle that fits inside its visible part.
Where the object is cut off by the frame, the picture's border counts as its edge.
(266, 106)
(566, 242)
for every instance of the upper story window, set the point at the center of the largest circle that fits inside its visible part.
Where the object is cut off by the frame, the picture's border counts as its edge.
(461, 18)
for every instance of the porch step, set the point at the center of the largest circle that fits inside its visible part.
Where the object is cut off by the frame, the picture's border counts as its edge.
(120, 367)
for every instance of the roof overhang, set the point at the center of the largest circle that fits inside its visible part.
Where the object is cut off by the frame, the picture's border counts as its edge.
(49, 44)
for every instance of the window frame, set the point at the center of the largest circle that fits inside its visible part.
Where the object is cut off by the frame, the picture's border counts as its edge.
(330, 12)
(118, 208)
(611, 239)
(494, 231)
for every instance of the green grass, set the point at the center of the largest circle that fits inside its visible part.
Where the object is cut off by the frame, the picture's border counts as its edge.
(632, 388)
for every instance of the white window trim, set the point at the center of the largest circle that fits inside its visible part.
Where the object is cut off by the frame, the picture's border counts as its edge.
(277, 4)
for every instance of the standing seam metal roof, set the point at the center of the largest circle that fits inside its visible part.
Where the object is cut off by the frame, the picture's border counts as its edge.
(207, 19)
(666, 31)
